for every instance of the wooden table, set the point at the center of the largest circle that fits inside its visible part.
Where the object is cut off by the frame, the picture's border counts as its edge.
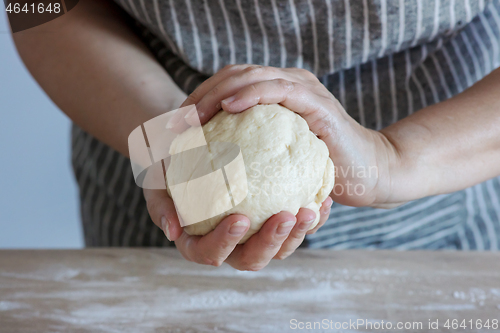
(155, 290)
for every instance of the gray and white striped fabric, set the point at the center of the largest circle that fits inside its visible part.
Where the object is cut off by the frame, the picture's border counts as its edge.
(383, 59)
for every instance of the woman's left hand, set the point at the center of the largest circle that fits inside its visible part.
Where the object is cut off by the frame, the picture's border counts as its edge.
(364, 159)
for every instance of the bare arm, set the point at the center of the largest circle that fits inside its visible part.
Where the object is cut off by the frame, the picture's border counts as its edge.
(98, 71)
(448, 146)
(440, 149)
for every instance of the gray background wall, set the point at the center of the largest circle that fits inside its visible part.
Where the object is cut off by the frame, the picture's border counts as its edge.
(38, 195)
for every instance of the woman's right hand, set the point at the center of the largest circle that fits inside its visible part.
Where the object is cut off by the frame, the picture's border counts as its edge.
(279, 237)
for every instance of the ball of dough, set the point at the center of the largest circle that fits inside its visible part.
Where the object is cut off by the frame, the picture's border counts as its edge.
(287, 166)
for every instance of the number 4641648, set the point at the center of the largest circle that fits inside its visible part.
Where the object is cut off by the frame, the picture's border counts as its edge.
(40, 8)
(472, 324)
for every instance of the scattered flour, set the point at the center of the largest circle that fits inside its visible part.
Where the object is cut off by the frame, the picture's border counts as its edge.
(6, 306)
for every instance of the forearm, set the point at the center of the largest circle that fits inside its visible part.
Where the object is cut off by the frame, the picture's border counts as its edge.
(98, 71)
(448, 146)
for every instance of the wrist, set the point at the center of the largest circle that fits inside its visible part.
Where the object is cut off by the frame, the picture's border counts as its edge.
(389, 166)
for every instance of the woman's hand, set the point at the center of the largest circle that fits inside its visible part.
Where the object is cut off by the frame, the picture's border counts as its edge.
(352, 147)
(278, 238)
(363, 158)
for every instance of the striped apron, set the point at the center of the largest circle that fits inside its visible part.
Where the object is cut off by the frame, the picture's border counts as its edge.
(383, 60)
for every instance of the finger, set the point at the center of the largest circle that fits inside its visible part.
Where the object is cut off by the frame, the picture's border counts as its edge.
(177, 122)
(316, 110)
(211, 82)
(256, 253)
(214, 247)
(210, 103)
(305, 218)
(324, 214)
(162, 211)
(186, 117)
(229, 77)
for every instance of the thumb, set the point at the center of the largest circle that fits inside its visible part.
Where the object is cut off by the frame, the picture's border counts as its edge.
(162, 211)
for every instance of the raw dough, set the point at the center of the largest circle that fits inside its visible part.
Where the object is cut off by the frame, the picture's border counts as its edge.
(287, 166)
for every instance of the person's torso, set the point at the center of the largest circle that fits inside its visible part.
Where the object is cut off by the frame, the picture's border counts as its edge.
(383, 60)
(322, 36)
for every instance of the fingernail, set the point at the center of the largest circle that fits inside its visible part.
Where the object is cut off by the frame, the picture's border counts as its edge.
(228, 100)
(285, 227)
(190, 114)
(306, 225)
(238, 228)
(165, 224)
(326, 209)
(330, 201)
(171, 123)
